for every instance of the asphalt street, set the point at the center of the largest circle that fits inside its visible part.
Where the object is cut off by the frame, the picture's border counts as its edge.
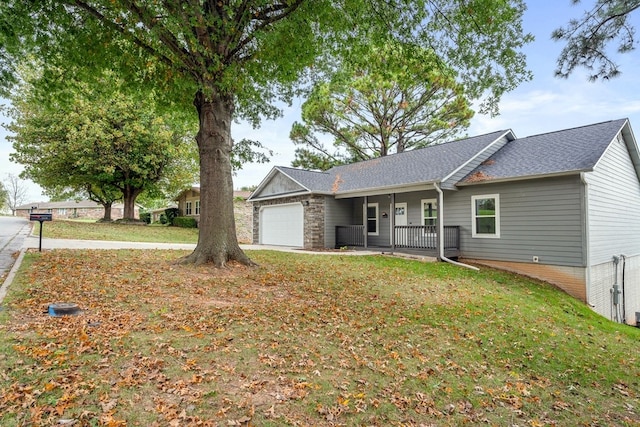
(13, 233)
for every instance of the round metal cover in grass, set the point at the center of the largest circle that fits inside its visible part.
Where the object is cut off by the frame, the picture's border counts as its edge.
(63, 309)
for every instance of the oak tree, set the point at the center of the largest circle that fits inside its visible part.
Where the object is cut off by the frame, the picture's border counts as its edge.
(103, 142)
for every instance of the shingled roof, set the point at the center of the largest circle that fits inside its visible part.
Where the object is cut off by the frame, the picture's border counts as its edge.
(566, 151)
(425, 165)
(561, 152)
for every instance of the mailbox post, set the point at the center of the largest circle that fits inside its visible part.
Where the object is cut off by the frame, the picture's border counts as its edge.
(40, 217)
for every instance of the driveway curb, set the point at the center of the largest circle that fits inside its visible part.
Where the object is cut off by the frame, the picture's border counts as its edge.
(11, 275)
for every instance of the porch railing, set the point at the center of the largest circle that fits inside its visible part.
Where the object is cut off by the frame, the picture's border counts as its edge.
(407, 236)
(426, 236)
(349, 235)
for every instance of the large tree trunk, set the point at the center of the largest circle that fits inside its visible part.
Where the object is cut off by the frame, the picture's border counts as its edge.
(217, 241)
(129, 195)
(107, 212)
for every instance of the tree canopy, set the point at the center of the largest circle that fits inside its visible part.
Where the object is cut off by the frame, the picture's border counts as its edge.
(388, 100)
(588, 39)
(233, 58)
(103, 142)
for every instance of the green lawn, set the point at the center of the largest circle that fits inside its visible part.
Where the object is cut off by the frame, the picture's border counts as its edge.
(305, 340)
(61, 229)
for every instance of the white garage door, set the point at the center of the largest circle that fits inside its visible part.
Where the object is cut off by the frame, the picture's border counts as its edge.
(282, 225)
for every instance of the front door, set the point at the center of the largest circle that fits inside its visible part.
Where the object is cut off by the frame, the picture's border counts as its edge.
(401, 219)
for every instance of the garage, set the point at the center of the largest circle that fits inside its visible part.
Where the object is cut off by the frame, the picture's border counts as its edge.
(282, 225)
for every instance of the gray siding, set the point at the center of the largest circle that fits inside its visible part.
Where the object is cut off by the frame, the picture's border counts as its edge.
(279, 184)
(414, 204)
(541, 218)
(337, 212)
(384, 224)
(614, 206)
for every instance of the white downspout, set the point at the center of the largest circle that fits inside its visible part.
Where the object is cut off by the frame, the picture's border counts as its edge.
(441, 231)
(587, 238)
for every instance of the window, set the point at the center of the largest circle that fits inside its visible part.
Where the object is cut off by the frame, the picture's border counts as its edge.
(429, 212)
(197, 207)
(372, 219)
(62, 211)
(187, 209)
(485, 214)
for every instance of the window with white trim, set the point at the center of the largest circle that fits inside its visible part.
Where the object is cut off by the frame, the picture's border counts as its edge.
(372, 219)
(429, 212)
(485, 215)
(187, 209)
(197, 207)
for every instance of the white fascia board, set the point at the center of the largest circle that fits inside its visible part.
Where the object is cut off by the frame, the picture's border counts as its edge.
(523, 178)
(458, 169)
(385, 190)
(279, 196)
(265, 181)
(632, 143)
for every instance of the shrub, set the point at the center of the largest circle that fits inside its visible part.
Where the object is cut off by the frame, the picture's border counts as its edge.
(163, 219)
(185, 222)
(171, 213)
(146, 217)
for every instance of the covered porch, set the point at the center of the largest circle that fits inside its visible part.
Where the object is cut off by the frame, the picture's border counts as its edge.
(398, 222)
(409, 238)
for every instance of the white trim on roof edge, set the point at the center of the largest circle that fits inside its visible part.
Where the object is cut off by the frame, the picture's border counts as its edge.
(281, 195)
(400, 188)
(523, 178)
(265, 181)
(495, 141)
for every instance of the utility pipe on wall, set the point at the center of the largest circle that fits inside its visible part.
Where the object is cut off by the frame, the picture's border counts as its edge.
(441, 232)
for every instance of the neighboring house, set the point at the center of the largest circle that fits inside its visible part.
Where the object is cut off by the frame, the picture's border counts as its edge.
(189, 205)
(73, 209)
(157, 213)
(562, 206)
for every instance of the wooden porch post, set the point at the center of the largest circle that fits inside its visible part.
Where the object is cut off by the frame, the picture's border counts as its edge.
(365, 222)
(439, 226)
(392, 213)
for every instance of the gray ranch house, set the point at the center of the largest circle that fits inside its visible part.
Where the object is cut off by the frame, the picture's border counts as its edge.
(563, 207)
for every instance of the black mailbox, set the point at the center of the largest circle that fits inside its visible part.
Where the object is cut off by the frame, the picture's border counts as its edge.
(40, 217)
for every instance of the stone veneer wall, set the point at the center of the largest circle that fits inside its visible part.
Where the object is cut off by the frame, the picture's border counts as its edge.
(313, 218)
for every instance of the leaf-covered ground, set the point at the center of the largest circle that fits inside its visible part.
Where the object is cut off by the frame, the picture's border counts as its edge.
(305, 340)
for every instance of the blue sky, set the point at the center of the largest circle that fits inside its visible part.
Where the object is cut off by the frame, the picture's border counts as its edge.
(542, 105)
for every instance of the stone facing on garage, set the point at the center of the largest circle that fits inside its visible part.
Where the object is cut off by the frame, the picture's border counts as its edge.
(313, 218)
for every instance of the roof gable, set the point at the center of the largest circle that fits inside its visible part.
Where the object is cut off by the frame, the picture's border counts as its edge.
(562, 152)
(283, 181)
